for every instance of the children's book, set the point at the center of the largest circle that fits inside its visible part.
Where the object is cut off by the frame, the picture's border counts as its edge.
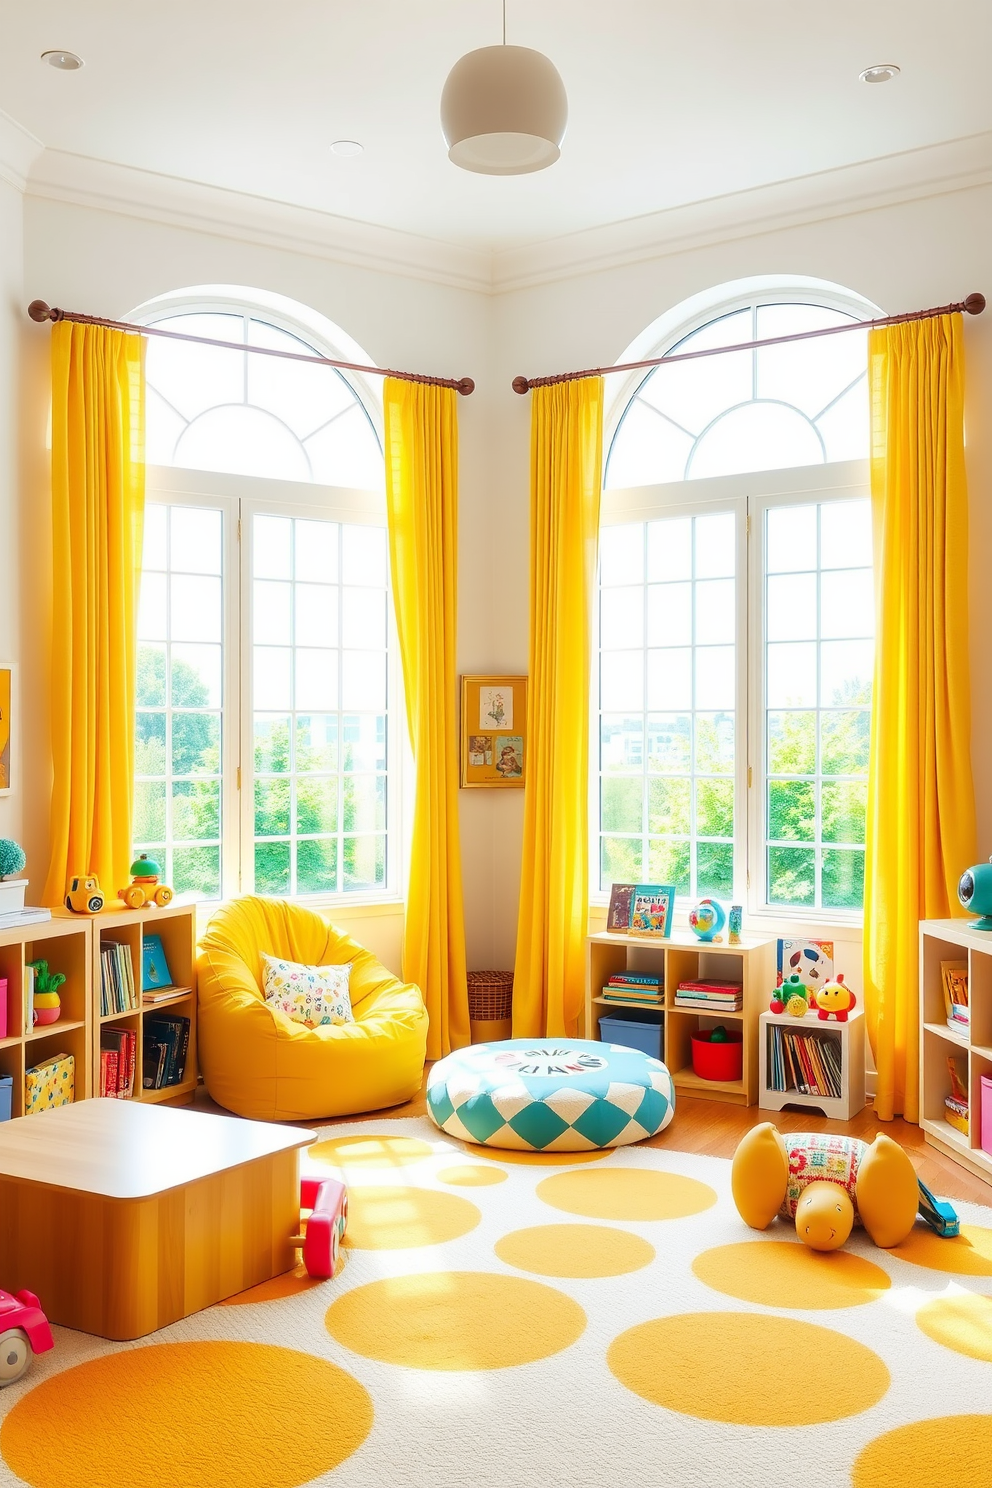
(651, 910)
(621, 902)
(811, 960)
(154, 967)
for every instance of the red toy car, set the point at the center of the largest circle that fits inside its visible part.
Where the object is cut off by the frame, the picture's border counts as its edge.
(328, 1201)
(24, 1331)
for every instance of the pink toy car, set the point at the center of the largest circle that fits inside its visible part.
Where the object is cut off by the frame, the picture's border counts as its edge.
(328, 1201)
(24, 1331)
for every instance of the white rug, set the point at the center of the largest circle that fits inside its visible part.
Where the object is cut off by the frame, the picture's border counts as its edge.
(753, 1390)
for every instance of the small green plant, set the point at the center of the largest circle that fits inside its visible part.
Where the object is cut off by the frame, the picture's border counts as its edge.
(12, 859)
(45, 980)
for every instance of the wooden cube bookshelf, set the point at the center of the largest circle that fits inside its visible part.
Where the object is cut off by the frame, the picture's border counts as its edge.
(681, 958)
(176, 924)
(955, 940)
(850, 1036)
(65, 945)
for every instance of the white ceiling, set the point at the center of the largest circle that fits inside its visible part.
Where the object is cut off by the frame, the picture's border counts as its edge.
(670, 101)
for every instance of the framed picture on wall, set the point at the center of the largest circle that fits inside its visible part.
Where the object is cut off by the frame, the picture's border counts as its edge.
(7, 705)
(494, 741)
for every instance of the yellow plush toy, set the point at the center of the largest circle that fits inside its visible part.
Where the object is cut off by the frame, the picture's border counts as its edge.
(827, 1184)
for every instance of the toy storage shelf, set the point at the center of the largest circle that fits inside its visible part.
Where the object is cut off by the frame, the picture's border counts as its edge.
(176, 924)
(65, 945)
(955, 940)
(681, 957)
(850, 1035)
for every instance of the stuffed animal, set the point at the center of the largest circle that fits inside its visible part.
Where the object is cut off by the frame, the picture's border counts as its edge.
(827, 1184)
(834, 1001)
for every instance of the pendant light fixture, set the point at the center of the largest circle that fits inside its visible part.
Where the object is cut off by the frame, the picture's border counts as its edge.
(504, 110)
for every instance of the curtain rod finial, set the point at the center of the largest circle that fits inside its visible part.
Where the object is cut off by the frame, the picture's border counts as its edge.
(465, 385)
(521, 385)
(975, 304)
(39, 311)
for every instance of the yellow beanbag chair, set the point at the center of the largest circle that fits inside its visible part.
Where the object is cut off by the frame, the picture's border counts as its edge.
(259, 1063)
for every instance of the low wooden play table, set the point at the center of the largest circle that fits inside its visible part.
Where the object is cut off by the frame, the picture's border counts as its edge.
(124, 1217)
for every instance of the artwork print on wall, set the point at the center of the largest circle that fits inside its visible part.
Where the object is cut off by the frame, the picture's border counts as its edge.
(494, 743)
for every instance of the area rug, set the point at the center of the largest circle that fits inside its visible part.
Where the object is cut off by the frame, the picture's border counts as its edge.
(510, 1320)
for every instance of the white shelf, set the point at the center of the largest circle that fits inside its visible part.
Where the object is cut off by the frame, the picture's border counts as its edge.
(850, 1035)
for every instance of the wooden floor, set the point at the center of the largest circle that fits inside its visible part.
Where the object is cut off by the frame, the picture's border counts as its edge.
(714, 1129)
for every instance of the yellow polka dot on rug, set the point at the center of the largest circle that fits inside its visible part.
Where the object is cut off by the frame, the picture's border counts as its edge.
(401, 1218)
(193, 1415)
(962, 1322)
(472, 1175)
(455, 1320)
(626, 1193)
(575, 1250)
(783, 1273)
(372, 1151)
(748, 1370)
(956, 1450)
(967, 1254)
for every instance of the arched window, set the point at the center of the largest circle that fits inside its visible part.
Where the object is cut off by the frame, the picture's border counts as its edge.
(735, 607)
(266, 688)
(216, 409)
(801, 403)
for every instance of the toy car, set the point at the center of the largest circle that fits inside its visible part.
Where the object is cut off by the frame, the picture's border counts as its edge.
(328, 1200)
(24, 1332)
(144, 887)
(938, 1214)
(85, 895)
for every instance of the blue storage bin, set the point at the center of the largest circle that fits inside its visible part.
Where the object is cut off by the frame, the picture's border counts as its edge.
(6, 1096)
(639, 1028)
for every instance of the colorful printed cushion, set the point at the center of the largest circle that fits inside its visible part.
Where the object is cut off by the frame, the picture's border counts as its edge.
(554, 1095)
(308, 994)
(821, 1157)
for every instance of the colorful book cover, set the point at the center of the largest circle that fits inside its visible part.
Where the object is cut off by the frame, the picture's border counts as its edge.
(811, 960)
(154, 967)
(50, 1084)
(618, 915)
(651, 910)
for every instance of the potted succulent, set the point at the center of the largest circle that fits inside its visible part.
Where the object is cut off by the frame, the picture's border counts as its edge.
(12, 861)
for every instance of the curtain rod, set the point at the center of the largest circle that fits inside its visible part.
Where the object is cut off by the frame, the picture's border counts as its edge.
(41, 312)
(973, 305)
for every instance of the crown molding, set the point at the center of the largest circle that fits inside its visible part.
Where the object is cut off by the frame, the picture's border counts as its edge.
(18, 152)
(912, 175)
(82, 181)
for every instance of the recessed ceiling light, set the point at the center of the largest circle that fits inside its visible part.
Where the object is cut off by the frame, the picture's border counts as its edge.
(64, 61)
(347, 147)
(883, 73)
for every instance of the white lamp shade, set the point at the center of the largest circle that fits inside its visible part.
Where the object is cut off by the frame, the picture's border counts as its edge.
(504, 111)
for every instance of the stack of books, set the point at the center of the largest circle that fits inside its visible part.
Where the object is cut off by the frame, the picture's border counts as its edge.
(29, 915)
(118, 1055)
(166, 1045)
(633, 986)
(954, 978)
(709, 995)
(806, 1063)
(118, 993)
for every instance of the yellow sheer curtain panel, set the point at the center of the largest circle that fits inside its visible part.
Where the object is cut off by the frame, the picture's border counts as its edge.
(98, 503)
(566, 453)
(921, 805)
(421, 427)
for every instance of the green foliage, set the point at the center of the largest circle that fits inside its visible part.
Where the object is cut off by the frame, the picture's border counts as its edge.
(620, 860)
(791, 875)
(668, 806)
(668, 863)
(12, 859)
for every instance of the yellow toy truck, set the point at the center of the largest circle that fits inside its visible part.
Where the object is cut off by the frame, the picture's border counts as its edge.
(85, 895)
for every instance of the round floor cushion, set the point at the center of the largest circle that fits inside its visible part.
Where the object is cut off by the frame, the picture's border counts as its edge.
(554, 1095)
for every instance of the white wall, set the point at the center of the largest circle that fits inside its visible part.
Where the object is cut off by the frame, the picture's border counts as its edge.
(11, 319)
(902, 257)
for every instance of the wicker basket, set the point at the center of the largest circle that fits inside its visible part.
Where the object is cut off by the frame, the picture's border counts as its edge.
(490, 1005)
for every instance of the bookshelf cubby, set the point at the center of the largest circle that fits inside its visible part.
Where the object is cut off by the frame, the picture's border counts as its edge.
(176, 924)
(971, 1048)
(850, 1038)
(682, 957)
(65, 945)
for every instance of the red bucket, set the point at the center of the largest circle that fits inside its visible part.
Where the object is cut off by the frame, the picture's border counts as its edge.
(720, 1061)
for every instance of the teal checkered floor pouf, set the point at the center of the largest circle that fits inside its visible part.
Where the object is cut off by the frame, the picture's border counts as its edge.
(550, 1095)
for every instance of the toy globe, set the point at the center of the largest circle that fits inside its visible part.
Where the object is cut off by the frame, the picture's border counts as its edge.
(707, 919)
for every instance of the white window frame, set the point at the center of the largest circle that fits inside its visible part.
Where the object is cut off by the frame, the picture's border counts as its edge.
(749, 495)
(240, 498)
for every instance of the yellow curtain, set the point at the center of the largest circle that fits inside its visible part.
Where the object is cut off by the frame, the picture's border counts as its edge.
(421, 428)
(921, 807)
(566, 452)
(98, 501)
